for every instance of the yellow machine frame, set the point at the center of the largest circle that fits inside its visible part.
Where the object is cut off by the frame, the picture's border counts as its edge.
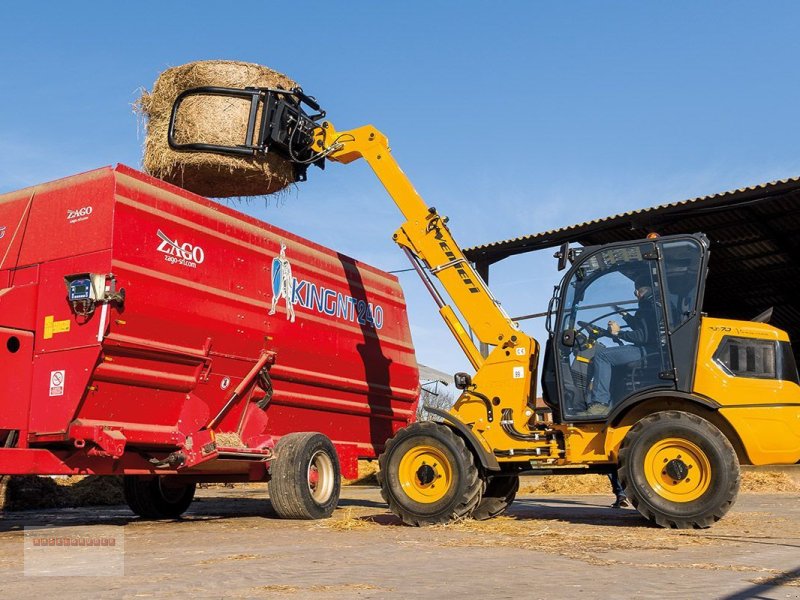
(506, 377)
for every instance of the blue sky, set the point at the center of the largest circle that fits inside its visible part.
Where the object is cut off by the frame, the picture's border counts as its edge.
(510, 117)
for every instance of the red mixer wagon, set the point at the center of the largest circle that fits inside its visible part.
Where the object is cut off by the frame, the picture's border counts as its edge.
(148, 332)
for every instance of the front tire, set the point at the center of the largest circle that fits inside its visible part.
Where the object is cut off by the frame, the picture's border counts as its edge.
(679, 470)
(157, 497)
(428, 476)
(305, 480)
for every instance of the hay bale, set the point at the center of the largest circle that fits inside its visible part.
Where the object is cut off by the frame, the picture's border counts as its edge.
(210, 120)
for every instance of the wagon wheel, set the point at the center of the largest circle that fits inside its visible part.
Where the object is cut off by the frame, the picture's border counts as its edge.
(428, 476)
(158, 497)
(305, 480)
(678, 470)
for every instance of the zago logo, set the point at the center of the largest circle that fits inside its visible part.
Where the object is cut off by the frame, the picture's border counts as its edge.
(183, 254)
(322, 300)
(81, 214)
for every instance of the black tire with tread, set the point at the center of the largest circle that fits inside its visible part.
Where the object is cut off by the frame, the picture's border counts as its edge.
(467, 487)
(288, 486)
(724, 485)
(497, 497)
(146, 497)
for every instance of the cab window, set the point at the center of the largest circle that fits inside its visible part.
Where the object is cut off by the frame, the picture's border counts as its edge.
(612, 340)
(682, 260)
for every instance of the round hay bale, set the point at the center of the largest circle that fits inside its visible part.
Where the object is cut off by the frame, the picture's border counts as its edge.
(210, 120)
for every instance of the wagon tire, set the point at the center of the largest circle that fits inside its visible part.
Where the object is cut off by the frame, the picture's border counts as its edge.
(428, 475)
(497, 497)
(305, 479)
(679, 470)
(157, 497)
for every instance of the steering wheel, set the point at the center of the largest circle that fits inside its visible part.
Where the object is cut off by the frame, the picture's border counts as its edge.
(592, 330)
(596, 332)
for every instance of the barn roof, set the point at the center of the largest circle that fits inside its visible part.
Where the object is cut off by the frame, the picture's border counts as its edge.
(755, 246)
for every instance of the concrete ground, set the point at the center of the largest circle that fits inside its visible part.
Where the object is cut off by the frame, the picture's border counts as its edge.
(230, 545)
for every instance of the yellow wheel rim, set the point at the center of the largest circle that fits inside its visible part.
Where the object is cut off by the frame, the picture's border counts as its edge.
(677, 469)
(425, 474)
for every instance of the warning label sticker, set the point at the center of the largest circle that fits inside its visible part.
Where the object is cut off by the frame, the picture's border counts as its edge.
(56, 383)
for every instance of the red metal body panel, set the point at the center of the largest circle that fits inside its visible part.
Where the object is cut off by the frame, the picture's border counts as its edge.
(146, 375)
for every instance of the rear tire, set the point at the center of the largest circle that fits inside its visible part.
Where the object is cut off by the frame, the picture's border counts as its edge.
(305, 479)
(678, 470)
(428, 476)
(497, 497)
(157, 497)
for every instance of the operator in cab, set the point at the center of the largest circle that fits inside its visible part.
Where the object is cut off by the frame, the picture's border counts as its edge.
(642, 338)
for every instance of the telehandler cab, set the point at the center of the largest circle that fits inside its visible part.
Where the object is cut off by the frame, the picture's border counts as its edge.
(638, 378)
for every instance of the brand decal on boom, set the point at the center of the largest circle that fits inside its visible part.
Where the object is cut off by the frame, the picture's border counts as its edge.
(318, 298)
(2, 232)
(185, 254)
(451, 256)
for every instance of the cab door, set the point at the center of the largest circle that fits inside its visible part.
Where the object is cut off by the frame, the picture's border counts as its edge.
(610, 337)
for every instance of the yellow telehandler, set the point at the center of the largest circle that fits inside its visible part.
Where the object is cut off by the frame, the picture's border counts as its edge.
(638, 379)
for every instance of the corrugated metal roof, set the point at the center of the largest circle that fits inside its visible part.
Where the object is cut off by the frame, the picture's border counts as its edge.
(755, 246)
(639, 220)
